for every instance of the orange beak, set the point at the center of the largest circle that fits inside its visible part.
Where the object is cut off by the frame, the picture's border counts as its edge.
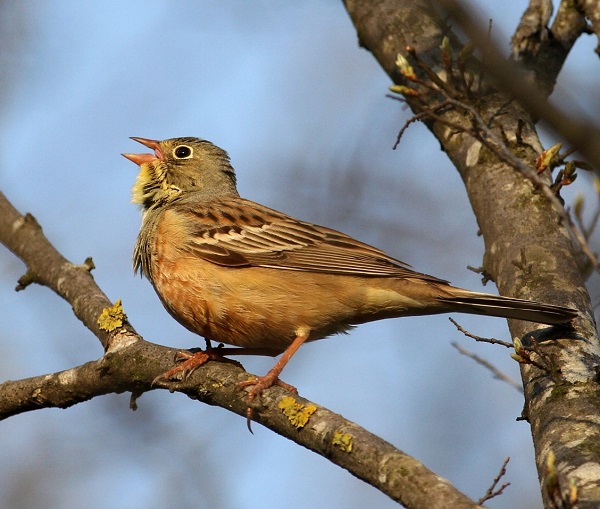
(140, 159)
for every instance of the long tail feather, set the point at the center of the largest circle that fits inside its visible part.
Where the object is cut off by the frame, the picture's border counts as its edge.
(505, 307)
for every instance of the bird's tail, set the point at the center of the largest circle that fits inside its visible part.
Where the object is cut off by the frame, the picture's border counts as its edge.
(505, 307)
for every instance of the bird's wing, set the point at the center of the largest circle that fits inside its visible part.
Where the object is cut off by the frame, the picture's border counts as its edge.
(241, 233)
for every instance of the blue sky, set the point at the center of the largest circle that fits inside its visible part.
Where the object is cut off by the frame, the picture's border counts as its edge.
(302, 111)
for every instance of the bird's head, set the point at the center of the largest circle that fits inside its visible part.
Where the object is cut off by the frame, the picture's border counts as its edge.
(179, 166)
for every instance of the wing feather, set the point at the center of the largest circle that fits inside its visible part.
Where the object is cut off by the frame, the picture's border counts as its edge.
(247, 234)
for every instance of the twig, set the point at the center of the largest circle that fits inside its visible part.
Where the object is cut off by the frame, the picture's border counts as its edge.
(499, 375)
(492, 341)
(406, 125)
(578, 129)
(490, 140)
(492, 491)
(583, 245)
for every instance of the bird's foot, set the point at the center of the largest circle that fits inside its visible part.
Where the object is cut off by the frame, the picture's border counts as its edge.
(188, 362)
(259, 384)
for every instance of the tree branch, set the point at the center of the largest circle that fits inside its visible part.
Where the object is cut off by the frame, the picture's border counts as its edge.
(130, 364)
(543, 50)
(529, 253)
(46, 266)
(531, 87)
(590, 10)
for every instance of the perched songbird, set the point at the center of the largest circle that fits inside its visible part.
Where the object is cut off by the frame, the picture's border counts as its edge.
(237, 272)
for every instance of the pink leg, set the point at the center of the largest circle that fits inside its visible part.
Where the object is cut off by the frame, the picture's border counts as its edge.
(261, 383)
(188, 362)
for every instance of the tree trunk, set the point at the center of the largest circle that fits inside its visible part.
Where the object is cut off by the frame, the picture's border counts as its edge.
(529, 252)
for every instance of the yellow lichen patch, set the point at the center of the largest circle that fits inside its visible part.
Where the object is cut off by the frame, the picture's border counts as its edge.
(297, 413)
(343, 441)
(112, 318)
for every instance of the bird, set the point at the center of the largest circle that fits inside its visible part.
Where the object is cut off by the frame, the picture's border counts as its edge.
(239, 273)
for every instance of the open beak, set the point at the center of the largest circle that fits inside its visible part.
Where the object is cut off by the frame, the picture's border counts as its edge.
(140, 159)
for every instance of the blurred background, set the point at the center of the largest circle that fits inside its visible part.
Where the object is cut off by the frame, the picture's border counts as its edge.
(302, 110)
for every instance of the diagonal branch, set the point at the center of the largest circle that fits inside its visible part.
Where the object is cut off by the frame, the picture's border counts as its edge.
(498, 375)
(330, 435)
(130, 364)
(46, 266)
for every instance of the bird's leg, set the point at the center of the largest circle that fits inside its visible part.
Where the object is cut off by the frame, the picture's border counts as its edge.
(191, 361)
(261, 383)
(188, 362)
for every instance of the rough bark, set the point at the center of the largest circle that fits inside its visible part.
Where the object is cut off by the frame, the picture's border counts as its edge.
(528, 247)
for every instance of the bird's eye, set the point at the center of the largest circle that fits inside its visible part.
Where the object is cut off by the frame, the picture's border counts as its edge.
(182, 152)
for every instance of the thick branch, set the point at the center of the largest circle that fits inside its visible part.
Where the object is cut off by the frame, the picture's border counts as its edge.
(130, 364)
(543, 50)
(528, 248)
(46, 266)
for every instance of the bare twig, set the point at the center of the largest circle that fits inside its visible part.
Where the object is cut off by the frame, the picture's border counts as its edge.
(583, 244)
(406, 125)
(499, 375)
(492, 491)
(480, 129)
(576, 128)
(492, 341)
(484, 134)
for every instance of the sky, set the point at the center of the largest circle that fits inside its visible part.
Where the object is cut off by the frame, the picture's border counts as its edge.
(303, 112)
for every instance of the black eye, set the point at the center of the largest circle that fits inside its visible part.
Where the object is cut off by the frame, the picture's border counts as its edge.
(182, 152)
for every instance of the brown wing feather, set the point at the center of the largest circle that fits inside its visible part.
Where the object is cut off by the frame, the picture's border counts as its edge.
(238, 233)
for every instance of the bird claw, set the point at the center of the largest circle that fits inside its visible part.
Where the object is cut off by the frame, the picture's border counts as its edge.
(187, 363)
(259, 384)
